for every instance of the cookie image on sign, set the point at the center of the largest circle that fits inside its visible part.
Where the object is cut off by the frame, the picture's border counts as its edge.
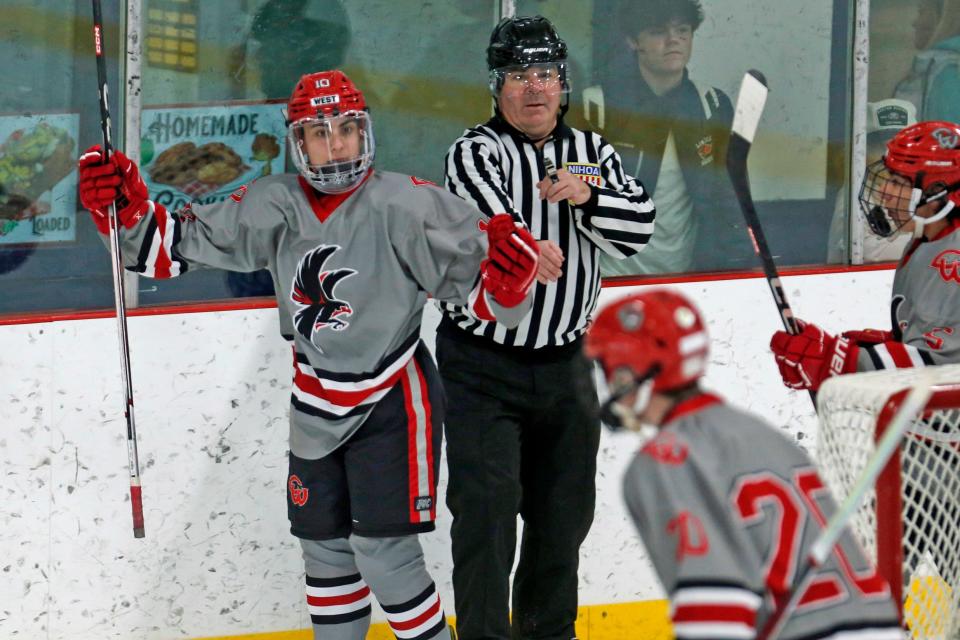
(197, 171)
(265, 148)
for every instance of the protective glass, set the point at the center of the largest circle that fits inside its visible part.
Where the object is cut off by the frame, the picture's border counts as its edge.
(333, 154)
(887, 200)
(549, 77)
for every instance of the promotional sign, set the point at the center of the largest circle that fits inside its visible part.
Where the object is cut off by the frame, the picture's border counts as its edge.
(38, 178)
(203, 154)
(171, 28)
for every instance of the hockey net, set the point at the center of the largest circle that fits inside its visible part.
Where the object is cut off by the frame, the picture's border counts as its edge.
(909, 523)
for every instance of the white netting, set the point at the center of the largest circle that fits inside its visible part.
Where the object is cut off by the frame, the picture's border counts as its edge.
(925, 523)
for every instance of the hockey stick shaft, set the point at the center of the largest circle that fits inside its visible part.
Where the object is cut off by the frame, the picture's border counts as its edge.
(750, 103)
(821, 548)
(119, 297)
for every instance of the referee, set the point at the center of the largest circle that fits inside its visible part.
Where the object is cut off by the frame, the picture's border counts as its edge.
(521, 438)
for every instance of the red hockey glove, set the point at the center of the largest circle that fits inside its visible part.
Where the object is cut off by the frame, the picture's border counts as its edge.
(867, 337)
(807, 359)
(511, 263)
(117, 182)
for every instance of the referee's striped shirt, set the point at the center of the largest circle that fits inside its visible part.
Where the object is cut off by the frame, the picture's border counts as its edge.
(497, 168)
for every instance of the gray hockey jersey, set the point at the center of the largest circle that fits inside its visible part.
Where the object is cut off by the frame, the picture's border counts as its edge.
(924, 308)
(727, 508)
(351, 273)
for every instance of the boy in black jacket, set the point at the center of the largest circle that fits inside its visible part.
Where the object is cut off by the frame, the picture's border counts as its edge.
(672, 135)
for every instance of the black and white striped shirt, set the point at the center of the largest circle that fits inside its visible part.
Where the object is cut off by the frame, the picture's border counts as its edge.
(497, 168)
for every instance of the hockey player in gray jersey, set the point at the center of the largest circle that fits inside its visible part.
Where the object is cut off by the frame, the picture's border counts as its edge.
(914, 188)
(354, 254)
(728, 531)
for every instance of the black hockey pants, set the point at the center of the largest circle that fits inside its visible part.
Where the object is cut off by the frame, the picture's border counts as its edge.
(522, 437)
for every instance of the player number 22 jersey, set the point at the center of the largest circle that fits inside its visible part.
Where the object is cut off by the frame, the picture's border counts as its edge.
(728, 532)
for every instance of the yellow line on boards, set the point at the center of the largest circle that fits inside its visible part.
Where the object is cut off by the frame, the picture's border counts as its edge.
(620, 621)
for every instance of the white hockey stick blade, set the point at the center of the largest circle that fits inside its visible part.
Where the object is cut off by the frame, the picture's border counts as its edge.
(750, 101)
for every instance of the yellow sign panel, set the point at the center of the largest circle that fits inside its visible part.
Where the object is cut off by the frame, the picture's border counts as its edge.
(171, 41)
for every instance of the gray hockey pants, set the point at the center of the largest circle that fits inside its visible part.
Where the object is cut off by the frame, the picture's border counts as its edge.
(342, 573)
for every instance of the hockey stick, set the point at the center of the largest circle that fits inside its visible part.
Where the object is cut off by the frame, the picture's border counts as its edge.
(750, 102)
(822, 547)
(119, 297)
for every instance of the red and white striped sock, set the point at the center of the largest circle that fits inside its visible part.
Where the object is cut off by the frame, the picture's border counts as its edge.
(342, 602)
(420, 618)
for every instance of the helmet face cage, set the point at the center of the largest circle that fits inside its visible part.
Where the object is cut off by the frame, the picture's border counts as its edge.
(921, 166)
(614, 392)
(549, 77)
(329, 138)
(888, 200)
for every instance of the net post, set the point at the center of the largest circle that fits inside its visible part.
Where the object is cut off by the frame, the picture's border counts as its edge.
(890, 508)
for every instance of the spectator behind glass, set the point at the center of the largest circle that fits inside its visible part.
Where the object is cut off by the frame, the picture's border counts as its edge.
(884, 119)
(933, 84)
(672, 134)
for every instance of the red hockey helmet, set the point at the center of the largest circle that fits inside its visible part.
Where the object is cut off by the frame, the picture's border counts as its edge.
(921, 165)
(325, 106)
(927, 149)
(655, 334)
(324, 94)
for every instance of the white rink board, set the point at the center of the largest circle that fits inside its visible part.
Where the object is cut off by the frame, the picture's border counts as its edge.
(211, 394)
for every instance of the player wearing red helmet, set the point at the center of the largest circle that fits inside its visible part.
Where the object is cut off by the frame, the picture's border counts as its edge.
(649, 346)
(725, 529)
(354, 254)
(915, 185)
(914, 188)
(330, 132)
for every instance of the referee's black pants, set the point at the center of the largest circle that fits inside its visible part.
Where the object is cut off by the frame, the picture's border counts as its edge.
(522, 434)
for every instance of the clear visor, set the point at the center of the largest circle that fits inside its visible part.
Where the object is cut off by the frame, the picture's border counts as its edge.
(888, 200)
(546, 77)
(333, 154)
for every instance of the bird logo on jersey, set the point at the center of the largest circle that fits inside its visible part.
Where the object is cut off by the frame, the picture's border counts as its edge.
(313, 292)
(948, 264)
